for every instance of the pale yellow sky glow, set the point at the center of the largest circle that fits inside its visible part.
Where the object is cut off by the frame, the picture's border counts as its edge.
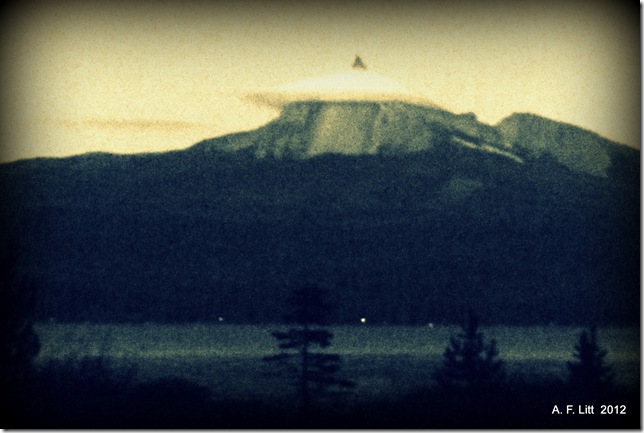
(132, 77)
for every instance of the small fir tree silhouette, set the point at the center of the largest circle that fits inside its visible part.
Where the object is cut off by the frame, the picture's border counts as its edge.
(314, 372)
(589, 370)
(468, 362)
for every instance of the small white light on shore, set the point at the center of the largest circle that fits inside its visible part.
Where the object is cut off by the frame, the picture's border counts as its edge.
(221, 319)
(430, 325)
(363, 320)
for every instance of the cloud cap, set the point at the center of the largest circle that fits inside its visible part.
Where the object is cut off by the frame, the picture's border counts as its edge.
(357, 84)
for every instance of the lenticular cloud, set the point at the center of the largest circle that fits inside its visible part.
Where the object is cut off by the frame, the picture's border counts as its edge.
(357, 84)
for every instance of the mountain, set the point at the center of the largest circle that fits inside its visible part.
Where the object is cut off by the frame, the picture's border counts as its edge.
(532, 136)
(306, 129)
(407, 214)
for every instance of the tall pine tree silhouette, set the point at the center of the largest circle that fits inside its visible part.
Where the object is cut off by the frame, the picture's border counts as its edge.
(314, 373)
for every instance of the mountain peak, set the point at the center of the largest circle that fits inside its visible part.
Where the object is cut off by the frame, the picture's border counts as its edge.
(359, 64)
(357, 85)
(353, 127)
(307, 129)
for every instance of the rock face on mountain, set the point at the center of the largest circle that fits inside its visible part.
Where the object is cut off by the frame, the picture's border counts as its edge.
(576, 148)
(407, 214)
(306, 129)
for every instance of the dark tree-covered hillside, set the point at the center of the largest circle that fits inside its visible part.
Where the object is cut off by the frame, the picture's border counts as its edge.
(401, 235)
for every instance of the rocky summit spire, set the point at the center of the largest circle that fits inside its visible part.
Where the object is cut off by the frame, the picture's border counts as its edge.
(359, 64)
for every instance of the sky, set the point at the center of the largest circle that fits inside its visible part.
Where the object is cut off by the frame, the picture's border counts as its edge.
(127, 77)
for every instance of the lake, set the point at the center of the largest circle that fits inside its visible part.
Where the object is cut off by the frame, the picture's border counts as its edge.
(227, 358)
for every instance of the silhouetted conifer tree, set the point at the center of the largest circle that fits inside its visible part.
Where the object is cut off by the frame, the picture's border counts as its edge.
(589, 371)
(314, 372)
(20, 344)
(468, 362)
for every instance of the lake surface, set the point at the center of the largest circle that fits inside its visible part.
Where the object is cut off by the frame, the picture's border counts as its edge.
(228, 357)
(198, 340)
